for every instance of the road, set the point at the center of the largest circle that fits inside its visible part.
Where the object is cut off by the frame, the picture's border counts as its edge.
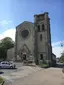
(50, 76)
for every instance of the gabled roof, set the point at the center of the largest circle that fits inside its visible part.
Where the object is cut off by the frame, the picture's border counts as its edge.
(25, 22)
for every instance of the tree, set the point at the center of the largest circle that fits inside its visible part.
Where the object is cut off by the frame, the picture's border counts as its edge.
(5, 44)
(62, 59)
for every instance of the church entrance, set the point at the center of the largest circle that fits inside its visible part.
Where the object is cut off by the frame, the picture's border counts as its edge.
(24, 56)
(25, 59)
(24, 53)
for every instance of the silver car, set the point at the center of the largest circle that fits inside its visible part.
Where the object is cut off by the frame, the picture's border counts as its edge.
(6, 64)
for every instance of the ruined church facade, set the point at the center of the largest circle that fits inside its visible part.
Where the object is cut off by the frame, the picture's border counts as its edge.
(33, 40)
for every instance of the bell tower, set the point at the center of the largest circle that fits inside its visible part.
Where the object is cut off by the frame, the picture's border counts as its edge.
(42, 38)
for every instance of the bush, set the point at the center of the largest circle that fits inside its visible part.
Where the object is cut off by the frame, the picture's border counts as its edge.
(1, 80)
(62, 59)
(44, 65)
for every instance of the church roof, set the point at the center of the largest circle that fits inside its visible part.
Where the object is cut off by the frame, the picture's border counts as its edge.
(25, 22)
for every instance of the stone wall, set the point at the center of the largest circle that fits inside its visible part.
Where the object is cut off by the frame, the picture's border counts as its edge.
(29, 40)
(43, 46)
(10, 54)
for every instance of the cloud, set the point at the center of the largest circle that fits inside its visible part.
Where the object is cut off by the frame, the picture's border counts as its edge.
(57, 49)
(5, 22)
(57, 43)
(8, 33)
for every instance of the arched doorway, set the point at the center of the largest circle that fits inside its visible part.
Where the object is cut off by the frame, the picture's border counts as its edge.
(24, 53)
(24, 57)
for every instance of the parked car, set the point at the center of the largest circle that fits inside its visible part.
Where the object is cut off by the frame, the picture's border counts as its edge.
(6, 64)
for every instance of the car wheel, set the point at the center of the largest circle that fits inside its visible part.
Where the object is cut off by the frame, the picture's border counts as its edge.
(11, 67)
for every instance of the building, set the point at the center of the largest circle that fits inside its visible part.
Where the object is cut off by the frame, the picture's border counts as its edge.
(33, 40)
(53, 59)
(58, 60)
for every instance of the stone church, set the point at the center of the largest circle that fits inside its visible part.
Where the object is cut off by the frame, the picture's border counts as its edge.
(33, 40)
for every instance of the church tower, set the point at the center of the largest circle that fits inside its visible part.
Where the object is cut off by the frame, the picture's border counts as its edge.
(43, 49)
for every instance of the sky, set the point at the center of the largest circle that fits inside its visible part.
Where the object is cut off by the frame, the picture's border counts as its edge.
(14, 12)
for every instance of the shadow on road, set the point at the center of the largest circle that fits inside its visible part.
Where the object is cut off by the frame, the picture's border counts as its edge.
(8, 68)
(59, 65)
(1, 72)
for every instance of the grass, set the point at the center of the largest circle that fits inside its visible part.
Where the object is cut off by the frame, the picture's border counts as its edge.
(43, 65)
(1, 81)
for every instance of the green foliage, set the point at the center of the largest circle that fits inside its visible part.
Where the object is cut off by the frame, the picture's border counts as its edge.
(43, 64)
(62, 59)
(1, 80)
(5, 44)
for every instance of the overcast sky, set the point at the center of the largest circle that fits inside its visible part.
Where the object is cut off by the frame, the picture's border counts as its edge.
(14, 12)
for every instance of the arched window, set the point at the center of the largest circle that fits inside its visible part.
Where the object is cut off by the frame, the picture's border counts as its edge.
(43, 28)
(38, 28)
(40, 37)
(41, 56)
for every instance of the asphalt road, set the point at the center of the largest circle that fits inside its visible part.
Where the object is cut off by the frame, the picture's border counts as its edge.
(21, 71)
(50, 76)
(27, 75)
